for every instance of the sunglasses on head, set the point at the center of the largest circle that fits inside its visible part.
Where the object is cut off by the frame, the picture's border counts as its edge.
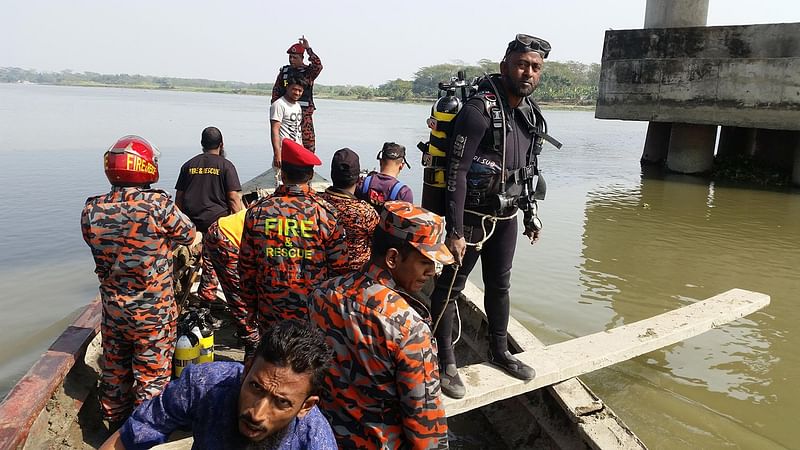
(525, 42)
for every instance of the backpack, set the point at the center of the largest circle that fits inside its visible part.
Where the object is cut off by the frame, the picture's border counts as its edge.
(377, 199)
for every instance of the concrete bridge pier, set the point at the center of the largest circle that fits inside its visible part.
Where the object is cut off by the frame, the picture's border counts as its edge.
(675, 13)
(691, 148)
(676, 71)
(779, 149)
(671, 14)
(656, 143)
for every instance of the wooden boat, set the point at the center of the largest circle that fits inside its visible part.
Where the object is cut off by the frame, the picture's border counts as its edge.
(55, 404)
(51, 406)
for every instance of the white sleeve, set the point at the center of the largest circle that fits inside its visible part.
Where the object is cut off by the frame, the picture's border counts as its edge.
(276, 111)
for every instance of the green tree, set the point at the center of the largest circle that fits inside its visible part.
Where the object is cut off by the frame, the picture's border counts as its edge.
(427, 79)
(567, 82)
(488, 66)
(396, 90)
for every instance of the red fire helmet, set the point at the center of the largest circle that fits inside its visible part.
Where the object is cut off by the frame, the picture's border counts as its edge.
(131, 161)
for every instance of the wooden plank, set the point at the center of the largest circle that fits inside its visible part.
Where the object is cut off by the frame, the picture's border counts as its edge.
(558, 362)
(520, 336)
(576, 399)
(597, 423)
(530, 408)
(572, 394)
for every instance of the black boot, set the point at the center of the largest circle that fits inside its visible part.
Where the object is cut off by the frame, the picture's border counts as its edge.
(451, 383)
(502, 358)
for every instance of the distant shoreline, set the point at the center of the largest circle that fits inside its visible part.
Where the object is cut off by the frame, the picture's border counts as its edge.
(268, 92)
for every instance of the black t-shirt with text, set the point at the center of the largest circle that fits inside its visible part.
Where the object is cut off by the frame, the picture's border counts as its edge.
(205, 181)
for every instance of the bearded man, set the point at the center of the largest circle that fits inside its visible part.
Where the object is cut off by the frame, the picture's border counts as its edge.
(269, 403)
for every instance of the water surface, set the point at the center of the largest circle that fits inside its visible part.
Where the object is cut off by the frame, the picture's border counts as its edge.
(617, 246)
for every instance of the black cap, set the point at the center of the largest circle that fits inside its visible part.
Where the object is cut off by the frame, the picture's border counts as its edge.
(345, 168)
(391, 150)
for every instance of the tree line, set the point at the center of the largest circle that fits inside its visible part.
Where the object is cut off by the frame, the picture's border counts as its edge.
(568, 82)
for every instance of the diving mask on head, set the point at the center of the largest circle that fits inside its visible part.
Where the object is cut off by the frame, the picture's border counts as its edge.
(526, 42)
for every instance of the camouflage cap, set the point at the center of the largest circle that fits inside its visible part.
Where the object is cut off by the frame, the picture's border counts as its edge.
(422, 229)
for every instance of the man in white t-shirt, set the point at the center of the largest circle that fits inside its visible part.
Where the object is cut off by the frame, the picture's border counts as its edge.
(286, 116)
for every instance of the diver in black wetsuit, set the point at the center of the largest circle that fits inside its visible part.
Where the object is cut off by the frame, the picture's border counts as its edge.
(491, 173)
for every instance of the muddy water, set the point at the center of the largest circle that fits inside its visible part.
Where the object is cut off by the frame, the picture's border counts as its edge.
(618, 246)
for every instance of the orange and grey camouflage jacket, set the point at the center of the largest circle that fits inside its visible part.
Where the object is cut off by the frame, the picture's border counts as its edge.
(383, 385)
(359, 220)
(291, 242)
(132, 232)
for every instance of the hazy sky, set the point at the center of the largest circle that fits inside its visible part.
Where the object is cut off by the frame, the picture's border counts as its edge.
(363, 43)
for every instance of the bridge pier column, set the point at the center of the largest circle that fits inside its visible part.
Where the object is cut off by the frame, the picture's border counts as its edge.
(691, 148)
(656, 143)
(668, 14)
(675, 13)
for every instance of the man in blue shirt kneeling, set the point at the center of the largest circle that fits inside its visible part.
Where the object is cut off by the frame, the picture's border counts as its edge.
(269, 403)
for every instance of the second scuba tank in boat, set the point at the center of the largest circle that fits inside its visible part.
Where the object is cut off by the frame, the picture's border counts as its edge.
(206, 338)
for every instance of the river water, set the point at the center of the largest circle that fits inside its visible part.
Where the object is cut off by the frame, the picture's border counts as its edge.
(617, 246)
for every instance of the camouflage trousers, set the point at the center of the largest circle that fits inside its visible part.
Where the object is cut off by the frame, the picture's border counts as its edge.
(224, 256)
(207, 290)
(307, 126)
(138, 342)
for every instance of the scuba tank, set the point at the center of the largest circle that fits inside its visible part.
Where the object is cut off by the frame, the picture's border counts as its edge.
(196, 332)
(187, 349)
(206, 338)
(434, 157)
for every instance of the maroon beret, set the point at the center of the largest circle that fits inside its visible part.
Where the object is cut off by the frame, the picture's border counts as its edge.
(297, 49)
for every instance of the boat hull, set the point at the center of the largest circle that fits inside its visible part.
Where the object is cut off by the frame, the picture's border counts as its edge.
(567, 415)
(55, 404)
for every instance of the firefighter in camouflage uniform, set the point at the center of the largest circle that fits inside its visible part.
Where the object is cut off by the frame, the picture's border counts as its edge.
(310, 72)
(222, 246)
(383, 385)
(291, 241)
(358, 218)
(132, 231)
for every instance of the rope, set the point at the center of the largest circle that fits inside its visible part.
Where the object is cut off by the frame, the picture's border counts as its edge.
(449, 291)
(485, 217)
(458, 314)
(458, 321)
